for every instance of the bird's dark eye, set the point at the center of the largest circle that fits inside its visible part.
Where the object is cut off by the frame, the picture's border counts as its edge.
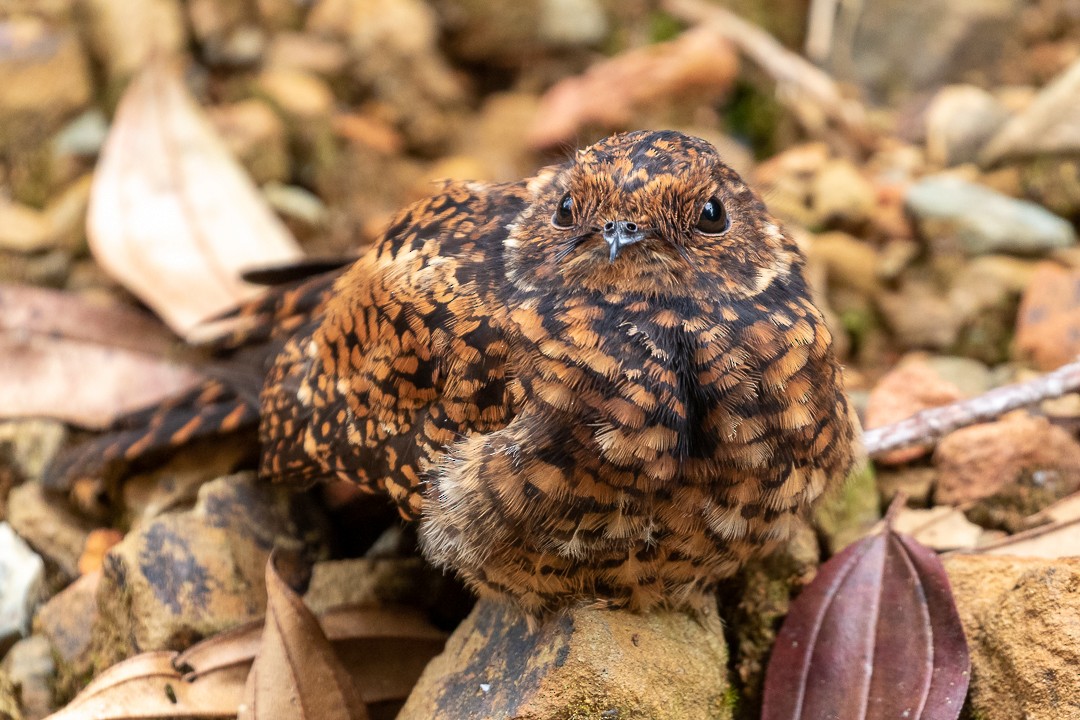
(714, 219)
(564, 212)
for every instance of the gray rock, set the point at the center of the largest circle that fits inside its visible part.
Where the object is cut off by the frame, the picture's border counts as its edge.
(894, 48)
(959, 122)
(1050, 125)
(956, 215)
(30, 667)
(22, 575)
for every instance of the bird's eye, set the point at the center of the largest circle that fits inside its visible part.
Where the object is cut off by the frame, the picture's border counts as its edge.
(564, 212)
(714, 219)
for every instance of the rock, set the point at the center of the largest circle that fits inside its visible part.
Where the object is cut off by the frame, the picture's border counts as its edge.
(958, 216)
(980, 460)
(22, 577)
(842, 195)
(786, 182)
(587, 663)
(959, 121)
(9, 699)
(1054, 183)
(1050, 125)
(985, 295)
(1048, 322)
(500, 34)
(572, 22)
(910, 387)
(256, 136)
(969, 376)
(300, 96)
(915, 481)
(45, 522)
(369, 581)
(227, 32)
(124, 34)
(394, 48)
(185, 575)
(23, 229)
(29, 665)
(296, 204)
(44, 77)
(954, 40)
(849, 262)
(1019, 615)
(941, 528)
(308, 53)
(66, 622)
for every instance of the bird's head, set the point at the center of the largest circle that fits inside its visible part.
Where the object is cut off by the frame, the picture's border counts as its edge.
(656, 213)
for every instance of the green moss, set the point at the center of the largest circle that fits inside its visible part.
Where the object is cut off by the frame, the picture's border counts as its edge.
(846, 515)
(663, 27)
(754, 116)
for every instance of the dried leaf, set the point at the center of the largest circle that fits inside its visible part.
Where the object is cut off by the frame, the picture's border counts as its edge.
(149, 686)
(82, 362)
(384, 649)
(172, 215)
(296, 673)
(875, 635)
(696, 64)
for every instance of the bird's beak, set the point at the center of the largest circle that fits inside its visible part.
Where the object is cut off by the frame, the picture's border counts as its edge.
(620, 234)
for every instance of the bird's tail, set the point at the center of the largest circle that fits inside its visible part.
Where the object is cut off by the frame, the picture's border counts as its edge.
(226, 403)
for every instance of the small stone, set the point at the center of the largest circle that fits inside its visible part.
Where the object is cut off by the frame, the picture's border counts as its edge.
(914, 481)
(23, 229)
(45, 522)
(296, 204)
(1053, 182)
(585, 663)
(22, 576)
(301, 96)
(959, 216)
(369, 581)
(985, 294)
(256, 136)
(1020, 619)
(9, 699)
(572, 22)
(186, 575)
(308, 53)
(29, 665)
(786, 182)
(849, 261)
(959, 121)
(1048, 322)
(44, 77)
(912, 386)
(978, 461)
(1050, 125)
(124, 34)
(848, 513)
(842, 195)
(940, 528)
(66, 622)
(969, 376)
(83, 136)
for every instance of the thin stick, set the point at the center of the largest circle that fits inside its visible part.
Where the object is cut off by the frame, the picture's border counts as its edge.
(928, 426)
(806, 89)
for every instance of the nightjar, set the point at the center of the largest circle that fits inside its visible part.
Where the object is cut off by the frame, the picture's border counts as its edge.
(603, 384)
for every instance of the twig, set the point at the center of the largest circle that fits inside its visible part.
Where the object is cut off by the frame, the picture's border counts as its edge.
(926, 427)
(806, 89)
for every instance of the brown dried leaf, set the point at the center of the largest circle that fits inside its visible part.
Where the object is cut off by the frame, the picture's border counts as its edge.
(83, 362)
(296, 673)
(875, 635)
(149, 686)
(172, 215)
(695, 64)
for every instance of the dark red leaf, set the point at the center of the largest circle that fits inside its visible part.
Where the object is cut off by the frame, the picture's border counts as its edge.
(875, 635)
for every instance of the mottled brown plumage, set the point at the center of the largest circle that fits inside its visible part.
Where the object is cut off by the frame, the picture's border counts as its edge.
(569, 423)
(606, 383)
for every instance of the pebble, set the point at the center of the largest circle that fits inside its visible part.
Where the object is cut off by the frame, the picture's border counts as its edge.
(1050, 125)
(959, 121)
(22, 574)
(959, 216)
(1048, 322)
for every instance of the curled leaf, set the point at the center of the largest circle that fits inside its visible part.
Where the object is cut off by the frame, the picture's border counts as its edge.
(172, 215)
(875, 635)
(296, 673)
(83, 362)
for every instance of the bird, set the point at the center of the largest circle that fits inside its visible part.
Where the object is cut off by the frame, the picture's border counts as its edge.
(605, 384)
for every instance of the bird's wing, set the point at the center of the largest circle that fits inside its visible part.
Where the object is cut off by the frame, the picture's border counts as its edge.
(405, 357)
